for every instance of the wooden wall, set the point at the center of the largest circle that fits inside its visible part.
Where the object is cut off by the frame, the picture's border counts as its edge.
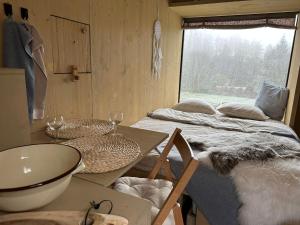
(121, 37)
(122, 51)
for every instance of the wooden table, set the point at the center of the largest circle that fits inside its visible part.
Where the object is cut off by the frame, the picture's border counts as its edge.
(81, 192)
(146, 139)
(87, 187)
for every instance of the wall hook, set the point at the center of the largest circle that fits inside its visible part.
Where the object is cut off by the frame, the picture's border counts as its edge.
(8, 9)
(24, 13)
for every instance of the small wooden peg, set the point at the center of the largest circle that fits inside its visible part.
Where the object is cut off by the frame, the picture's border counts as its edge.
(75, 76)
(83, 30)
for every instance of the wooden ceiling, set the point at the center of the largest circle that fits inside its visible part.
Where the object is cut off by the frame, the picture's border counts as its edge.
(197, 8)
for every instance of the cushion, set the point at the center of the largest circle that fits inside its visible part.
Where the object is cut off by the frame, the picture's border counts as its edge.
(240, 110)
(272, 100)
(195, 106)
(154, 190)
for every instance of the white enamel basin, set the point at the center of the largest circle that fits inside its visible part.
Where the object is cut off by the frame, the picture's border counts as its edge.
(34, 175)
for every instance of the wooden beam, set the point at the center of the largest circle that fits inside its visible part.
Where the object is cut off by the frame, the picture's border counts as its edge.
(174, 3)
(229, 8)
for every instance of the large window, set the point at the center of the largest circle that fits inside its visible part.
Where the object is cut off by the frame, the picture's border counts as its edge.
(222, 65)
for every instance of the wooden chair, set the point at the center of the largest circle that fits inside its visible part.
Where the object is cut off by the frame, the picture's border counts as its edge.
(170, 204)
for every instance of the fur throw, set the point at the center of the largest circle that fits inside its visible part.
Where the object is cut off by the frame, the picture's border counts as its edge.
(226, 159)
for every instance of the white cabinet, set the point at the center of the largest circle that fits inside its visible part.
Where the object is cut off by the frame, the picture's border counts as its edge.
(14, 122)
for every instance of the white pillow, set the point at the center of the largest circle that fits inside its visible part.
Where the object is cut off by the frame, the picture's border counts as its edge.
(242, 111)
(195, 106)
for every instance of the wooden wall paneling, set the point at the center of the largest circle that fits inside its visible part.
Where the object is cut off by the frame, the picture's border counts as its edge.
(107, 36)
(173, 60)
(156, 91)
(197, 2)
(163, 82)
(71, 99)
(121, 57)
(152, 86)
(146, 88)
(296, 107)
(129, 86)
(67, 98)
(131, 68)
(78, 10)
(71, 46)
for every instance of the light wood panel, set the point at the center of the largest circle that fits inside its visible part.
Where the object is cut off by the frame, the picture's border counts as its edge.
(237, 8)
(197, 2)
(121, 57)
(121, 34)
(71, 46)
(293, 114)
(71, 99)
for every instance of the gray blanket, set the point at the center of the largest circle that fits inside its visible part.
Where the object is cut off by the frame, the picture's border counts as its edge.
(224, 123)
(255, 140)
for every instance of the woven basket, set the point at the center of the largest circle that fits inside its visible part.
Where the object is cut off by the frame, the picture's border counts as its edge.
(77, 128)
(105, 153)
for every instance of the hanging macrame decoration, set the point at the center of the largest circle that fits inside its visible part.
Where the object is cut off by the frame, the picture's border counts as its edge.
(156, 52)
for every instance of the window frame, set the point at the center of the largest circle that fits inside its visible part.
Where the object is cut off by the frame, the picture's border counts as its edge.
(182, 54)
(292, 51)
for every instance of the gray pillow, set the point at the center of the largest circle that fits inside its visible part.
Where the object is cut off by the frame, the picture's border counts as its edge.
(272, 100)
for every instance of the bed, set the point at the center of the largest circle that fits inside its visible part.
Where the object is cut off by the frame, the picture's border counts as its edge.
(248, 168)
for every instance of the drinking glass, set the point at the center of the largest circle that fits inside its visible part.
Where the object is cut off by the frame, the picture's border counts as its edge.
(115, 118)
(55, 124)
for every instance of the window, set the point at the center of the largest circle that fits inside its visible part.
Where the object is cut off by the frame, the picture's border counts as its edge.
(222, 65)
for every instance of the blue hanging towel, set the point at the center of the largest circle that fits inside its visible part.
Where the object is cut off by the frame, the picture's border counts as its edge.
(17, 54)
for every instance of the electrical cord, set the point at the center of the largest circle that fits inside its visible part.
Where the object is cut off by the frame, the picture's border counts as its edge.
(96, 206)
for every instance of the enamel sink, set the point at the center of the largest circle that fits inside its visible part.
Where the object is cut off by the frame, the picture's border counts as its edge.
(34, 175)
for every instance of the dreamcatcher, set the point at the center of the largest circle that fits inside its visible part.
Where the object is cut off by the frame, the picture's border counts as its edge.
(156, 52)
